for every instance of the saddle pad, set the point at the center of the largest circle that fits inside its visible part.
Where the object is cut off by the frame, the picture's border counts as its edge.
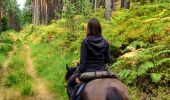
(80, 89)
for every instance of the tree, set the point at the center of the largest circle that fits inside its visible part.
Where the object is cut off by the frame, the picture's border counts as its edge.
(97, 4)
(125, 4)
(108, 9)
(0, 15)
(43, 11)
(113, 5)
(4, 22)
(12, 11)
(26, 13)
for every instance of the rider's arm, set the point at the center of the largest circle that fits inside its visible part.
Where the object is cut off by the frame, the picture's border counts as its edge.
(83, 57)
(107, 55)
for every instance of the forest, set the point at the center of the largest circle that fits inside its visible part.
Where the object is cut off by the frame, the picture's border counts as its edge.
(38, 40)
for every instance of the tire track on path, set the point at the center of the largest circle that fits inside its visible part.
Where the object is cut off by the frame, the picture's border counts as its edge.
(41, 90)
(5, 65)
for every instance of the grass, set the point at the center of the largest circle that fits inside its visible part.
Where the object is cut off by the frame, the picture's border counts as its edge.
(27, 89)
(5, 46)
(2, 57)
(51, 67)
(17, 80)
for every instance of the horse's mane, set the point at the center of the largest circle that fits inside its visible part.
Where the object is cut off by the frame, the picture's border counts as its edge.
(113, 94)
(70, 72)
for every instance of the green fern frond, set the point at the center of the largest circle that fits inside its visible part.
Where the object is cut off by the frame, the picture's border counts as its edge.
(117, 63)
(156, 77)
(133, 75)
(163, 52)
(145, 53)
(124, 74)
(144, 67)
(164, 60)
(158, 47)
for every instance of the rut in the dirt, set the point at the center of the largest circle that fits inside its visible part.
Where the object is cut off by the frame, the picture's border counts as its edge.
(5, 65)
(41, 90)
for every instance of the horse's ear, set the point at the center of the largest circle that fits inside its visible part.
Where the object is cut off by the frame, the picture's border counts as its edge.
(67, 67)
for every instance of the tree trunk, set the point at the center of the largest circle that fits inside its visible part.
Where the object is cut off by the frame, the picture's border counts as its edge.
(108, 9)
(127, 4)
(113, 5)
(45, 10)
(122, 3)
(0, 15)
(97, 4)
(57, 8)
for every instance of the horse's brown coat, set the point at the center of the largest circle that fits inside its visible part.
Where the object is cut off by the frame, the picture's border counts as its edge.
(98, 88)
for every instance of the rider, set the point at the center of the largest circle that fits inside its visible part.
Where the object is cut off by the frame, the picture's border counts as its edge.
(94, 53)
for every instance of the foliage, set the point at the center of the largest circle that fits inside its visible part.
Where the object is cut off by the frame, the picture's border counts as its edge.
(5, 25)
(13, 13)
(11, 80)
(5, 46)
(26, 13)
(156, 77)
(27, 89)
(141, 28)
(17, 78)
(75, 11)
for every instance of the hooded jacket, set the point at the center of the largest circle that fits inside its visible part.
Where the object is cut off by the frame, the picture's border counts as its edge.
(94, 54)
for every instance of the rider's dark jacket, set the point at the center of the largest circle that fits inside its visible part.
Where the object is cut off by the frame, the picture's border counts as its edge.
(94, 54)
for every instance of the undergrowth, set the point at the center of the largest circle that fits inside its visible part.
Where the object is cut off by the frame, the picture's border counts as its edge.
(143, 29)
(17, 79)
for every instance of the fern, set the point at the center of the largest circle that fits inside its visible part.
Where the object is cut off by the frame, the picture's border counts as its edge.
(133, 75)
(145, 55)
(124, 74)
(155, 77)
(164, 60)
(144, 67)
(117, 63)
(158, 47)
(162, 52)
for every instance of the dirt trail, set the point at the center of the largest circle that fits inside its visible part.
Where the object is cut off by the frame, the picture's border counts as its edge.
(130, 54)
(5, 65)
(41, 90)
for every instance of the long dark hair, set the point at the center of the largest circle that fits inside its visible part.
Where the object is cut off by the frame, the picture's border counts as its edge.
(94, 27)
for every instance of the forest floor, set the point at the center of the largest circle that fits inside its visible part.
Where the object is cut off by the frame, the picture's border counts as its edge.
(4, 69)
(41, 91)
(5, 65)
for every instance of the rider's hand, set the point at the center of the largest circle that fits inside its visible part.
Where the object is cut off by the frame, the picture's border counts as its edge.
(77, 81)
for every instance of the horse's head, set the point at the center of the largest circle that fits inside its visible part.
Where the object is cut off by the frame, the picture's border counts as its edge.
(70, 71)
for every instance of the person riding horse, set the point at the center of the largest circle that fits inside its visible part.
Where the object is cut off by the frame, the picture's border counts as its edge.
(94, 55)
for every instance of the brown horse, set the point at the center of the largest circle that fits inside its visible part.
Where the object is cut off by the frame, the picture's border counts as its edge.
(102, 89)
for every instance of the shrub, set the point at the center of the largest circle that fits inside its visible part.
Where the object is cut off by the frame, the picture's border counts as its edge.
(4, 21)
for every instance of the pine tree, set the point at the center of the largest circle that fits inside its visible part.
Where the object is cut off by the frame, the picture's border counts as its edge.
(26, 13)
(0, 15)
(12, 12)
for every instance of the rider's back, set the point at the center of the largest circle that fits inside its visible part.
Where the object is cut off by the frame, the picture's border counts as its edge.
(95, 54)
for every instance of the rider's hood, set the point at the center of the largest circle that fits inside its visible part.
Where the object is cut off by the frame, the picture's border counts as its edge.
(96, 42)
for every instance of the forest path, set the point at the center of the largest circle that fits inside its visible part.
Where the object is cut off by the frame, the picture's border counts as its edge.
(41, 90)
(130, 54)
(5, 65)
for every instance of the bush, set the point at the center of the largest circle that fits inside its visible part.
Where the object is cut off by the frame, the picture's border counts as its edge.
(4, 21)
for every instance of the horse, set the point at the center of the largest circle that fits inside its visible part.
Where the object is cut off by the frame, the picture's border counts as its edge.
(101, 89)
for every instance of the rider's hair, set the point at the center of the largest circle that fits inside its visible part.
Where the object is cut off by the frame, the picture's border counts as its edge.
(94, 27)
